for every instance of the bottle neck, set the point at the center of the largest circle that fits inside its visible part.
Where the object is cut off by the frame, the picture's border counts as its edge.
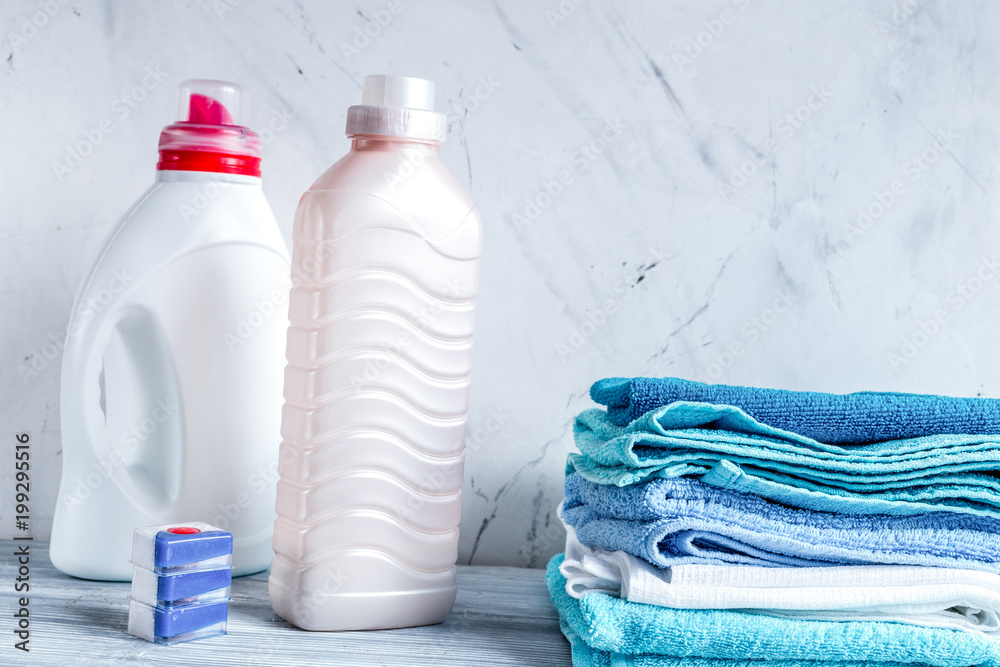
(179, 176)
(367, 142)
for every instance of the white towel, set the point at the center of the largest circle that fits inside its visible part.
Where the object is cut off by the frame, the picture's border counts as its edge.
(966, 600)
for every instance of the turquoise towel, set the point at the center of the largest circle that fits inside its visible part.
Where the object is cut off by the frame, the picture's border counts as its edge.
(605, 630)
(725, 447)
(678, 521)
(831, 418)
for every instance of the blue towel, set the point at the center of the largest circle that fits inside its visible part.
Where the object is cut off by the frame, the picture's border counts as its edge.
(725, 447)
(606, 630)
(830, 418)
(678, 521)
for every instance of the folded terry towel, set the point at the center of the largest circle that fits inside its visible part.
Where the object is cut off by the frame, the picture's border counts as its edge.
(926, 596)
(678, 521)
(831, 418)
(605, 630)
(726, 447)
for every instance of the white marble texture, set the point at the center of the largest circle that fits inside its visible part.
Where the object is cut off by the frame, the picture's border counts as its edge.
(637, 233)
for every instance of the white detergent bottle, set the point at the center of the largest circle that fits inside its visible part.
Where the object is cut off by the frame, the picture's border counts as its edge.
(172, 371)
(386, 247)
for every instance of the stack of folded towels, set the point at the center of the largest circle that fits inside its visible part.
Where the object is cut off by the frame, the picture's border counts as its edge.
(724, 526)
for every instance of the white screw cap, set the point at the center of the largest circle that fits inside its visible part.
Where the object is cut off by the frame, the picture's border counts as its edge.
(401, 92)
(397, 106)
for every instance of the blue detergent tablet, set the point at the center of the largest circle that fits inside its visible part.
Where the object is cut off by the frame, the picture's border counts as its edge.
(177, 624)
(182, 546)
(184, 587)
(179, 549)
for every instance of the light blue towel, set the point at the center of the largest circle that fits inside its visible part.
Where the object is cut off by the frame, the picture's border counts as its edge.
(725, 447)
(678, 521)
(606, 630)
(831, 418)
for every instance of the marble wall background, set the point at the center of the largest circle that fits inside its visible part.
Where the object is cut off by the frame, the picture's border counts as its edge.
(764, 192)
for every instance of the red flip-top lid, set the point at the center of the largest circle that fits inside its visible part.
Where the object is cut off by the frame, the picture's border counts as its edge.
(207, 135)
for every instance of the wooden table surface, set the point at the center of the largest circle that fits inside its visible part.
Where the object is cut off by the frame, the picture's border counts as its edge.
(502, 617)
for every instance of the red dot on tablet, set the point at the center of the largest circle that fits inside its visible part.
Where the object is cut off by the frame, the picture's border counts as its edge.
(183, 530)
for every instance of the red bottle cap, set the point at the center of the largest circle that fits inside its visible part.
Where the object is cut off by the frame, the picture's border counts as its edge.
(207, 135)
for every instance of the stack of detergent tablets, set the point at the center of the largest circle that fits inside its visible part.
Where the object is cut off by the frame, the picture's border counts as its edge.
(181, 579)
(723, 525)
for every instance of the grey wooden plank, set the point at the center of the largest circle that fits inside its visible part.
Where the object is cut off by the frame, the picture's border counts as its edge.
(502, 616)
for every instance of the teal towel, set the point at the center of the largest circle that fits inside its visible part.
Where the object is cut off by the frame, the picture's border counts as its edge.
(725, 447)
(606, 630)
(866, 416)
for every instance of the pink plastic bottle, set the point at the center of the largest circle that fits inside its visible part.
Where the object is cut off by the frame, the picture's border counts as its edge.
(386, 255)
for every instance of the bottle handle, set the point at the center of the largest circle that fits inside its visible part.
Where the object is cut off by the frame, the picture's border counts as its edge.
(134, 417)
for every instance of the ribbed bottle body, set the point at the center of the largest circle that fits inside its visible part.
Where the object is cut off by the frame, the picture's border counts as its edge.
(376, 393)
